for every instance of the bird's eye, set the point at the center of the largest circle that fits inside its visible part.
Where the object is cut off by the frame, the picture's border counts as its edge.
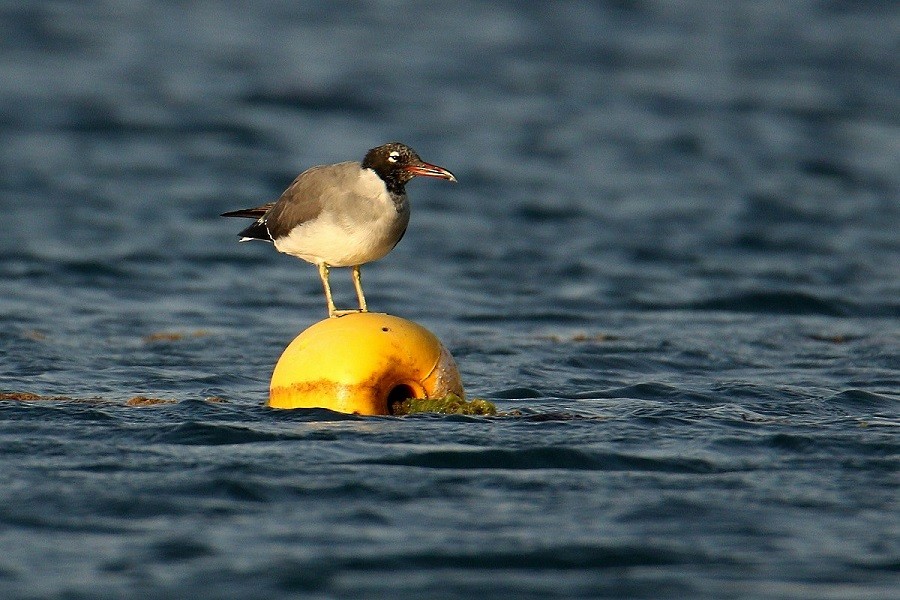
(393, 156)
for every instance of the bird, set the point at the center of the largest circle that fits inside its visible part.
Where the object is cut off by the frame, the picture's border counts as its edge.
(344, 214)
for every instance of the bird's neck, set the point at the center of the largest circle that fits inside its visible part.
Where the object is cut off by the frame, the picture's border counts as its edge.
(394, 183)
(395, 187)
(399, 200)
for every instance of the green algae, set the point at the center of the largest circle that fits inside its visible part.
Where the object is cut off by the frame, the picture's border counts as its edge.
(448, 405)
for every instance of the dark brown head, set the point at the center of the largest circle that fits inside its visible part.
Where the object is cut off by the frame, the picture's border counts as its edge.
(397, 164)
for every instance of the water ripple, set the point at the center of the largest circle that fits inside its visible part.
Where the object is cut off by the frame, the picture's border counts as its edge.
(549, 458)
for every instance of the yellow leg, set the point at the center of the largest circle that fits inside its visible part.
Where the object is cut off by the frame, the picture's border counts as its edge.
(323, 274)
(357, 283)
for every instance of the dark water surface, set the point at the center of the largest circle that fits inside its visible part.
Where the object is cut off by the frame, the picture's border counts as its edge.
(673, 249)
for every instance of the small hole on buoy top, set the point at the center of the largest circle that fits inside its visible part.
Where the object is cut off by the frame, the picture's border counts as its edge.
(397, 395)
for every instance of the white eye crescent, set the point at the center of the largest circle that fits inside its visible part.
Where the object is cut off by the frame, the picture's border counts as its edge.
(393, 156)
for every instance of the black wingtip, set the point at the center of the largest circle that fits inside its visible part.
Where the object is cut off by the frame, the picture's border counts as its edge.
(257, 231)
(245, 213)
(250, 213)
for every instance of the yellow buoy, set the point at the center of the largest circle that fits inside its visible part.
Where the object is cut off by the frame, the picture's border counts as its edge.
(363, 363)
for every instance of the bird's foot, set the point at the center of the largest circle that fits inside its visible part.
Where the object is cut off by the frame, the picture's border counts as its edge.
(343, 312)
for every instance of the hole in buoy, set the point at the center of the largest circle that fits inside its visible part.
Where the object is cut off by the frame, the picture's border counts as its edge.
(397, 395)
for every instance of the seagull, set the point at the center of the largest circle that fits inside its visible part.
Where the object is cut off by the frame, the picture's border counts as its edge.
(343, 215)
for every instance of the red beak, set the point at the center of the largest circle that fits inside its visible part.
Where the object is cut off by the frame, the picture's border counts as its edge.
(425, 169)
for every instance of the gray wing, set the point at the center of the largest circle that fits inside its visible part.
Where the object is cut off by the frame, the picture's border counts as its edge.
(303, 200)
(310, 193)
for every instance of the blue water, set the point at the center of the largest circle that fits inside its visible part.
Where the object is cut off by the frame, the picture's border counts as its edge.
(672, 259)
